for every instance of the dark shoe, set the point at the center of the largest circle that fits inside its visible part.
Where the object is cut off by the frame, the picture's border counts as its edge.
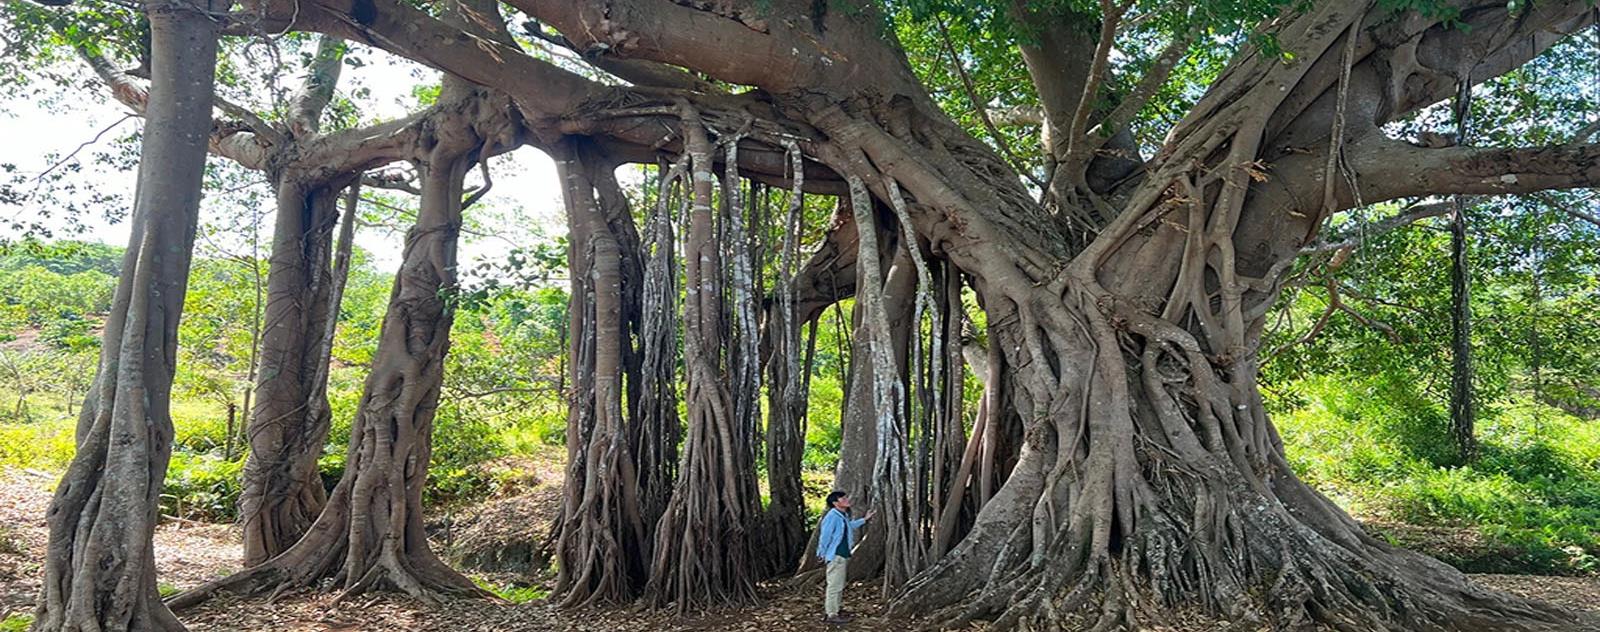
(836, 620)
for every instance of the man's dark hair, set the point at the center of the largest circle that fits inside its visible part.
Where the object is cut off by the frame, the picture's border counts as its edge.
(834, 497)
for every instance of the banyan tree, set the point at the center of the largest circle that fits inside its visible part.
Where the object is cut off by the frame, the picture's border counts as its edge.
(1121, 465)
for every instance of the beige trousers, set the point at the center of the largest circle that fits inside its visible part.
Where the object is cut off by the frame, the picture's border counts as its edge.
(837, 574)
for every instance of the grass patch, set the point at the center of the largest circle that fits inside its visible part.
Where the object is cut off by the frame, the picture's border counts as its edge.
(512, 592)
(16, 623)
(1532, 498)
(202, 487)
(202, 426)
(42, 444)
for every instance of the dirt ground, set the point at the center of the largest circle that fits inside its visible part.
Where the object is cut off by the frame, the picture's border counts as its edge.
(190, 553)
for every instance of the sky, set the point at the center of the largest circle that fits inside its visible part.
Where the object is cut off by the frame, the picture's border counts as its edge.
(36, 132)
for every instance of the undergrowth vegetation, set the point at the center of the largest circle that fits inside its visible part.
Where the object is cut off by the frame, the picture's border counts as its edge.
(1529, 503)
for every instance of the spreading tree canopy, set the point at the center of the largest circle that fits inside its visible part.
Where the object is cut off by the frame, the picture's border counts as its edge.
(1122, 465)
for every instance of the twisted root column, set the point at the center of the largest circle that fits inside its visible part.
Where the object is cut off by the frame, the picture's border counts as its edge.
(658, 427)
(283, 492)
(1153, 479)
(601, 541)
(370, 535)
(702, 550)
(99, 572)
(789, 376)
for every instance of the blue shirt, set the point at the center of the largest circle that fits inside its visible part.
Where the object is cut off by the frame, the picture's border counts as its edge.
(838, 531)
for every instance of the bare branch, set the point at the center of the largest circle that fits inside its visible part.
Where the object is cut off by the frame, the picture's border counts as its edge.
(1316, 328)
(1135, 101)
(225, 141)
(1335, 304)
(1019, 116)
(977, 105)
(1564, 207)
(1405, 217)
(634, 71)
(255, 123)
(392, 183)
(1586, 131)
(1371, 323)
(483, 166)
(1097, 75)
(1350, 291)
(322, 76)
(74, 152)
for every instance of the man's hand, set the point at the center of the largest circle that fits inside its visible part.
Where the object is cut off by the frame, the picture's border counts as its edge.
(870, 514)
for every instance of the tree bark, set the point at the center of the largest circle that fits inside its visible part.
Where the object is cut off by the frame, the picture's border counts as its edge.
(601, 543)
(282, 489)
(370, 535)
(702, 553)
(100, 568)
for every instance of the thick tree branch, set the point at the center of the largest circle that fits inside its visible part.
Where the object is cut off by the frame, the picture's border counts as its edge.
(835, 51)
(544, 91)
(1057, 55)
(226, 137)
(255, 124)
(316, 92)
(635, 71)
(1389, 169)
(1134, 102)
(1111, 18)
(1586, 131)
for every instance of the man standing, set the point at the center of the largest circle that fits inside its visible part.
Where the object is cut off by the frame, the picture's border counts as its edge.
(833, 547)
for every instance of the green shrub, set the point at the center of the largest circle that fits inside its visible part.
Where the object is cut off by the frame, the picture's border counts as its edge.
(463, 444)
(46, 445)
(16, 623)
(512, 592)
(202, 426)
(202, 487)
(823, 435)
(69, 331)
(536, 428)
(1533, 494)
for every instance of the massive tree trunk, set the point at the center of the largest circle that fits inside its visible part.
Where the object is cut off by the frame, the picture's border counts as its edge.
(282, 491)
(601, 538)
(100, 568)
(1152, 477)
(370, 533)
